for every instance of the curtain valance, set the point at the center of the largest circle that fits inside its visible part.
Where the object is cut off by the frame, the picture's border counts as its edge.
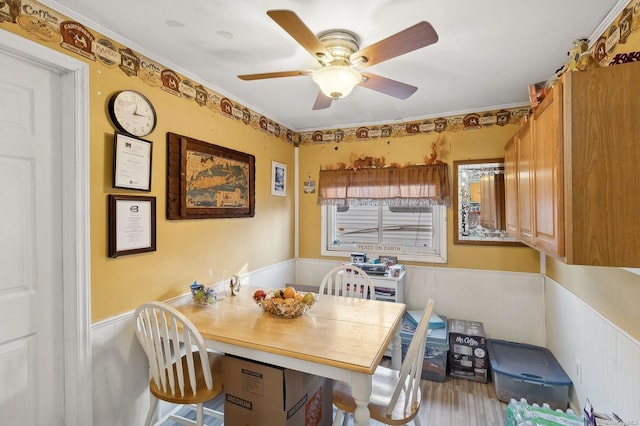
(420, 185)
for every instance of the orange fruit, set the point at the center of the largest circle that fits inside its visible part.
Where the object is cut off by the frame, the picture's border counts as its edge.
(289, 292)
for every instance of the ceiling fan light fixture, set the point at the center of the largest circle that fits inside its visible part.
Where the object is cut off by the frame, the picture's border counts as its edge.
(336, 81)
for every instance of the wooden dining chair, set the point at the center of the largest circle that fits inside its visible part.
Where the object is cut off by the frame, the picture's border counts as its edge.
(348, 281)
(395, 397)
(181, 370)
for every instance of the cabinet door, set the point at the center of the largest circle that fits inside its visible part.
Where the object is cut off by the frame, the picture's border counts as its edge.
(492, 201)
(511, 188)
(487, 201)
(524, 155)
(603, 152)
(548, 231)
(498, 190)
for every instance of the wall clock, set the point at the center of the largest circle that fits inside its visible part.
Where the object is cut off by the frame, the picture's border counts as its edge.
(131, 112)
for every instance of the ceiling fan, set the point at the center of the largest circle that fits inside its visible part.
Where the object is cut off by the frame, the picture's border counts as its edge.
(339, 53)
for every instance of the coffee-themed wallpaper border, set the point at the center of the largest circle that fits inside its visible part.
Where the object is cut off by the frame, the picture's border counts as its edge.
(48, 26)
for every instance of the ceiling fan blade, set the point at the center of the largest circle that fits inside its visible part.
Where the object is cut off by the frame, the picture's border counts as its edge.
(420, 35)
(322, 101)
(292, 24)
(387, 86)
(278, 74)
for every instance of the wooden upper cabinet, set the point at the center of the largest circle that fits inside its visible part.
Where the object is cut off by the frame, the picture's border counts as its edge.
(576, 167)
(524, 155)
(601, 178)
(547, 200)
(511, 188)
(492, 201)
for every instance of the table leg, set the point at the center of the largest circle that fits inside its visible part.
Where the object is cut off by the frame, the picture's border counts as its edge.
(361, 392)
(396, 351)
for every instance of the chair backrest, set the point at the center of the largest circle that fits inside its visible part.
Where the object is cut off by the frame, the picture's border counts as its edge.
(348, 281)
(411, 369)
(165, 334)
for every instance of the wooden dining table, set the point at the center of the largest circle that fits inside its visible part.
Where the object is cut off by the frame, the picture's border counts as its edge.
(339, 338)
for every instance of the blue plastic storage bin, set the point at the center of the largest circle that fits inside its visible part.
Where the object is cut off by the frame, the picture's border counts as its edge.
(526, 371)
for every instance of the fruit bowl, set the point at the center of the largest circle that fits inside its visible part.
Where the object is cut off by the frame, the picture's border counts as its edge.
(286, 307)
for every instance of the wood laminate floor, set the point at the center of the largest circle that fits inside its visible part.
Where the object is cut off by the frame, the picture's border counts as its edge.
(461, 402)
(455, 402)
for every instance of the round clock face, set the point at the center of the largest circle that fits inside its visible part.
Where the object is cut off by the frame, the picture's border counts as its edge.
(132, 113)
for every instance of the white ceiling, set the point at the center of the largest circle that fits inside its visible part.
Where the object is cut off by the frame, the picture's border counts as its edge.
(487, 54)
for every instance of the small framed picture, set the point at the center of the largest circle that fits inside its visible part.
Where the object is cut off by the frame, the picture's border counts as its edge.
(278, 179)
(131, 162)
(388, 260)
(132, 224)
(309, 186)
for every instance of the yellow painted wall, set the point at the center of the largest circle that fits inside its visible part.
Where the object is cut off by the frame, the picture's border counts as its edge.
(458, 145)
(186, 249)
(613, 292)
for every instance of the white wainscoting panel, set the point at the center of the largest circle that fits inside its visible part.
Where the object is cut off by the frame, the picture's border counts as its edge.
(627, 379)
(311, 271)
(602, 361)
(273, 276)
(120, 374)
(510, 305)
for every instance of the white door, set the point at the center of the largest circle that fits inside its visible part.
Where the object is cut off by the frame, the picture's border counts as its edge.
(31, 297)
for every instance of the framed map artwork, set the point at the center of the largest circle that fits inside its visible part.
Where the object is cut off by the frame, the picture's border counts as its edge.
(208, 181)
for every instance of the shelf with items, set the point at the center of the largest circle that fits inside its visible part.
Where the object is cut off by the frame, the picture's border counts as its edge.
(389, 287)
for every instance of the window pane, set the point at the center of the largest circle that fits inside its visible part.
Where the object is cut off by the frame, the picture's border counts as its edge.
(411, 233)
(357, 224)
(412, 227)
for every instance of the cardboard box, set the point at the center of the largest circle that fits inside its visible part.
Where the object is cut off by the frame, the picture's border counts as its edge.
(468, 355)
(259, 394)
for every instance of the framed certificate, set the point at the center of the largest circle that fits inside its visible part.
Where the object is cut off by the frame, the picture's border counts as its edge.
(132, 224)
(131, 162)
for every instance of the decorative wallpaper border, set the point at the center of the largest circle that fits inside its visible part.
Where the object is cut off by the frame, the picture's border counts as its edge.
(471, 121)
(607, 50)
(49, 27)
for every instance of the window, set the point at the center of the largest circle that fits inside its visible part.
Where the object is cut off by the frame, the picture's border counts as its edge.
(416, 233)
(393, 211)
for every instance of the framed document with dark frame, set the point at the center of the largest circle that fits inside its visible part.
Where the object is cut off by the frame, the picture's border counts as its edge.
(131, 162)
(207, 181)
(132, 224)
